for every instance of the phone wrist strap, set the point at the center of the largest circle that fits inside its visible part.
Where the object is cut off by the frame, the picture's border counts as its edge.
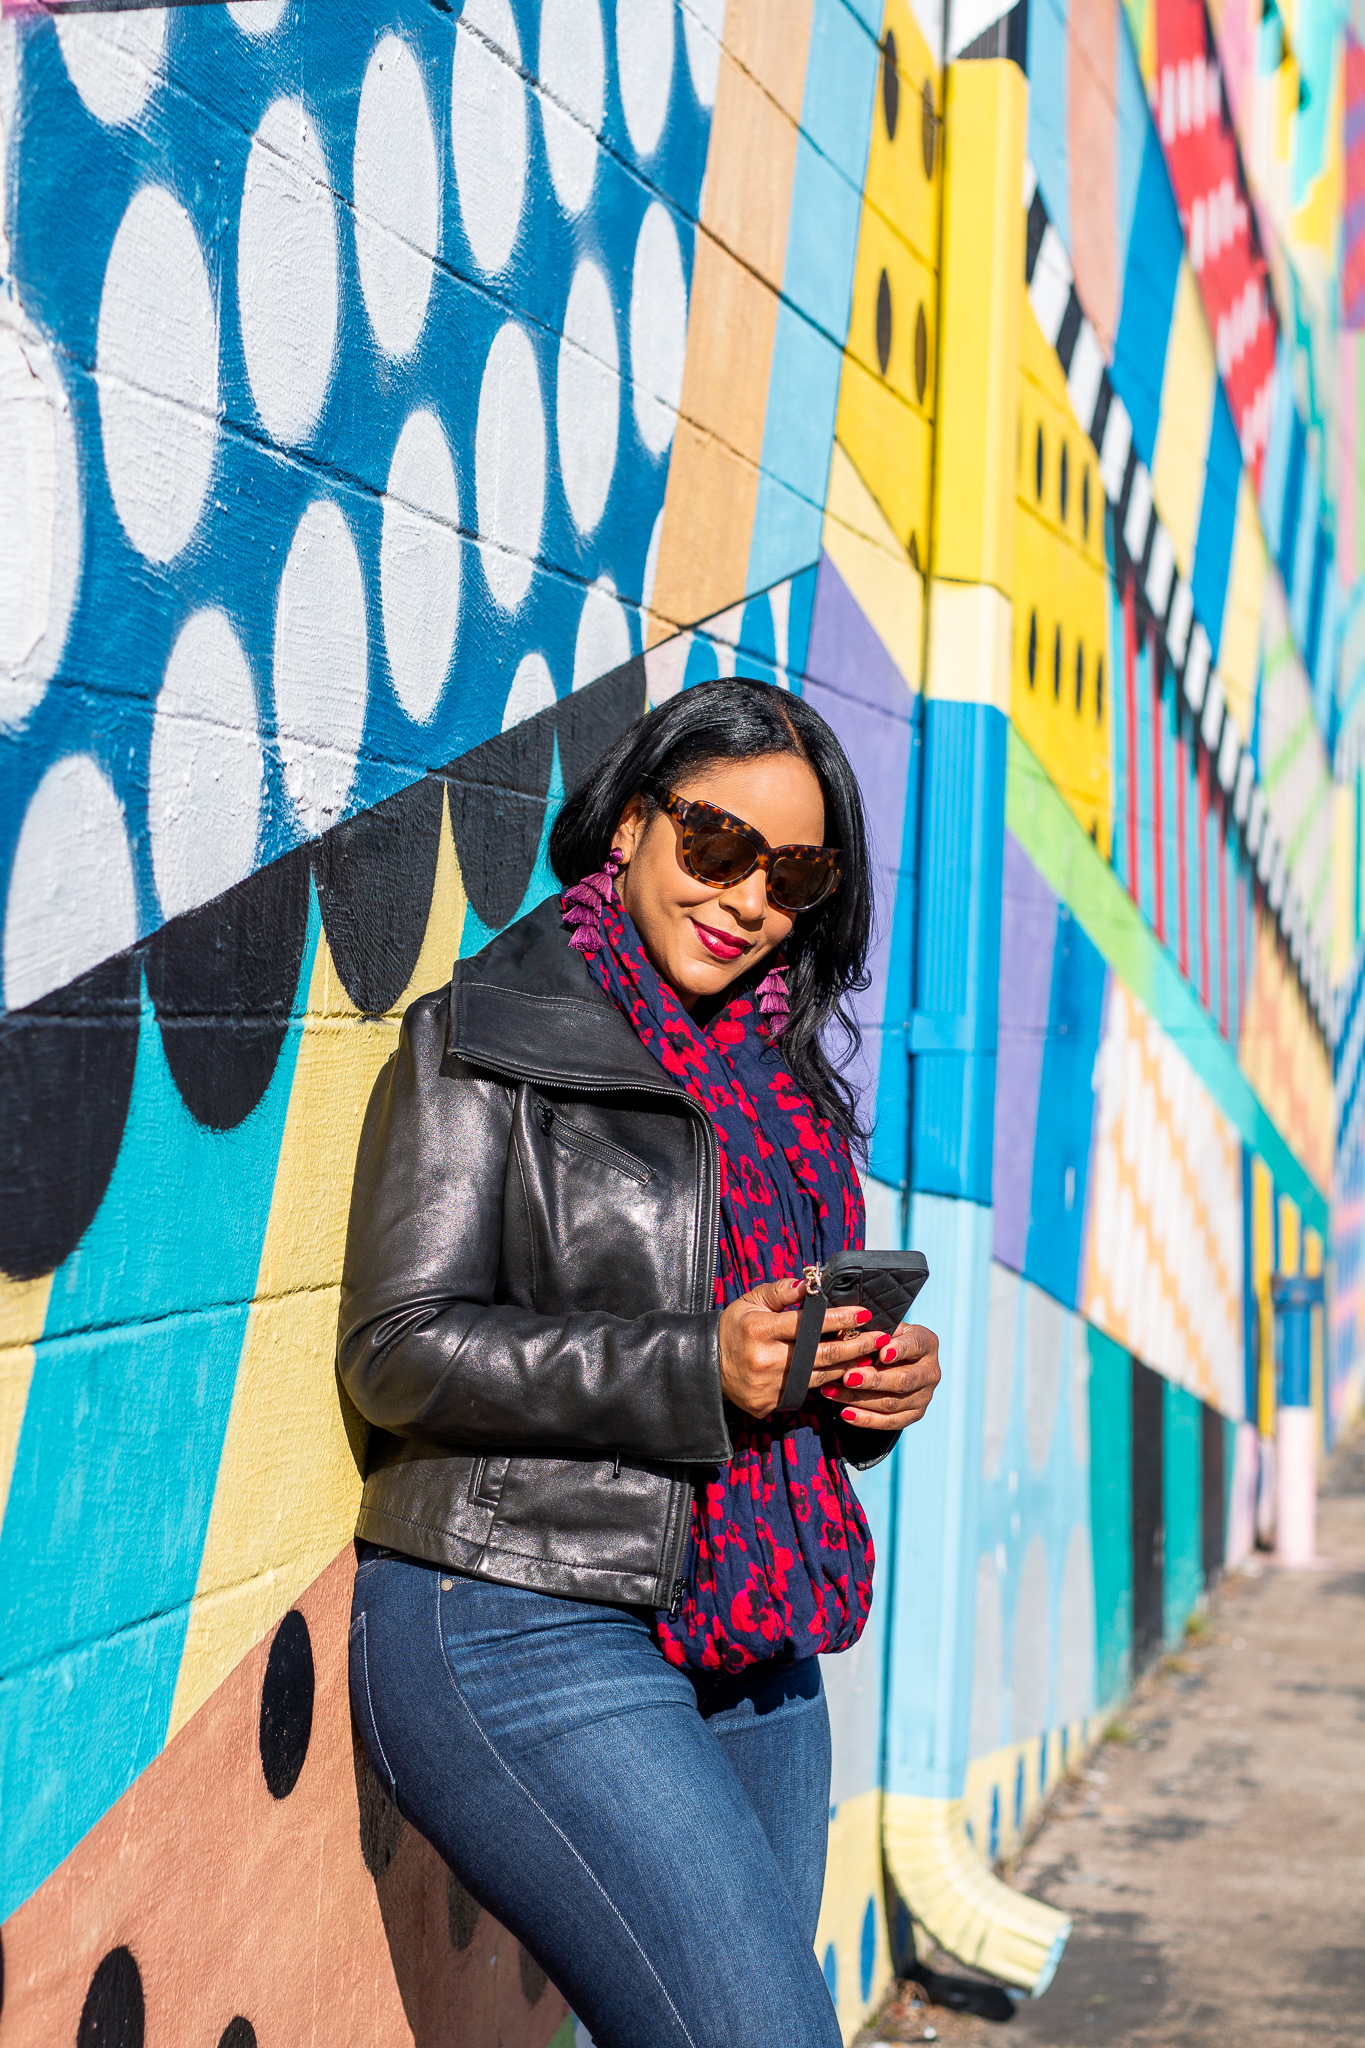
(808, 1333)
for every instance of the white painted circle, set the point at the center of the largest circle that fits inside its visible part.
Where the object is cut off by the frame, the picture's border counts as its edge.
(204, 774)
(419, 565)
(256, 17)
(588, 396)
(157, 372)
(40, 518)
(658, 329)
(114, 60)
(644, 66)
(509, 465)
(703, 21)
(652, 562)
(488, 130)
(321, 667)
(603, 641)
(532, 691)
(71, 900)
(396, 186)
(573, 74)
(287, 272)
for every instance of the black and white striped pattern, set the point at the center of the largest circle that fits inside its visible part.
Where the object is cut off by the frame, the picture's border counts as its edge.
(1166, 594)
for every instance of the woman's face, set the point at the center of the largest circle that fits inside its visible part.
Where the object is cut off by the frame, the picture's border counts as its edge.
(700, 939)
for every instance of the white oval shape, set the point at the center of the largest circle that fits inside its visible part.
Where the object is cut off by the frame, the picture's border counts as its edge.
(71, 900)
(157, 373)
(256, 18)
(658, 328)
(651, 570)
(532, 690)
(488, 130)
(396, 185)
(644, 66)
(321, 665)
(114, 61)
(419, 565)
(287, 272)
(703, 21)
(204, 775)
(40, 517)
(603, 642)
(509, 465)
(573, 72)
(588, 396)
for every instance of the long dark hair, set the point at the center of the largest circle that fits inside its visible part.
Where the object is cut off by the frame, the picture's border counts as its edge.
(737, 720)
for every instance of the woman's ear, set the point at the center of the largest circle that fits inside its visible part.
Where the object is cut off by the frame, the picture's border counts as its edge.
(630, 831)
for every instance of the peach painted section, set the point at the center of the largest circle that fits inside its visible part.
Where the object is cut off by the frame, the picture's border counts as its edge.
(1094, 128)
(1283, 1056)
(236, 1903)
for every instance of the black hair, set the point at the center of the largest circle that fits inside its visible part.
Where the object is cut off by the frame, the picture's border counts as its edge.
(826, 953)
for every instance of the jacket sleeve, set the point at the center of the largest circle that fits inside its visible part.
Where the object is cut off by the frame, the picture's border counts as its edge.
(425, 1350)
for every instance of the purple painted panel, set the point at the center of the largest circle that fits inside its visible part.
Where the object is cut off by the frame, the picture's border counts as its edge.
(1028, 931)
(846, 652)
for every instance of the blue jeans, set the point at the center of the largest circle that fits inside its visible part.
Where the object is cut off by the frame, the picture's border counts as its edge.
(656, 1838)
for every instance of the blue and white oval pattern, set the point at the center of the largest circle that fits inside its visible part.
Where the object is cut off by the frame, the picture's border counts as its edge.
(336, 434)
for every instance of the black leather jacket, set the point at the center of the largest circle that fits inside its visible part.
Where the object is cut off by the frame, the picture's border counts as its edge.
(526, 1305)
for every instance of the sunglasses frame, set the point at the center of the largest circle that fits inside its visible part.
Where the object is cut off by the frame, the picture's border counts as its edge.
(690, 814)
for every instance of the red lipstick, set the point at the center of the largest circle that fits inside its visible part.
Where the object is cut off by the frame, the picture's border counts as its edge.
(721, 945)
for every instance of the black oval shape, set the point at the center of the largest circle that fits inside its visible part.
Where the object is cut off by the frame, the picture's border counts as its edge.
(381, 1824)
(223, 980)
(1063, 481)
(533, 1978)
(1057, 666)
(1080, 677)
(238, 2033)
(114, 2015)
(928, 128)
(66, 1078)
(921, 352)
(497, 809)
(462, 1913)
(883, 321)
(286, 1705)
(1085, 502)
(891, 84)
(375, 874)
(1032, 647)
(588, 720)
(1099, 691)
(1038, 465)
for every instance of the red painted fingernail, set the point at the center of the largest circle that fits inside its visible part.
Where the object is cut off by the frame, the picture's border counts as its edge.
(848, 1414)
(887, 1355)
(854, 1379)
(864, 1315)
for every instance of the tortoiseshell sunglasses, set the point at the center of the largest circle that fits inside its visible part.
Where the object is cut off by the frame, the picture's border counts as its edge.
(720, 850)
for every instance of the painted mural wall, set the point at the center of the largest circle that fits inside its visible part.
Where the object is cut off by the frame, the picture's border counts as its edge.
(394, 401)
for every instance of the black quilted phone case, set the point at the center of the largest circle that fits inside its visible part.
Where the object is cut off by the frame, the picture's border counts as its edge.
(885, 1282)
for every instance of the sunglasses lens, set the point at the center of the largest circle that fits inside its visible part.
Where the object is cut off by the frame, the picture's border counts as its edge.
(798, 882)
(720, 856)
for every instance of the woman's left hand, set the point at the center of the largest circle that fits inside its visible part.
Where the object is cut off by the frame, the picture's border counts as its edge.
(893, 1388)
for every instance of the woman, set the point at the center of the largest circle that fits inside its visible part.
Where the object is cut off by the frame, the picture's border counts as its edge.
(595, 1564)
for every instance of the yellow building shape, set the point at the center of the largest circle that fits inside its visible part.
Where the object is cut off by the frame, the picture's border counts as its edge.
(886, 399)
(1061, 686)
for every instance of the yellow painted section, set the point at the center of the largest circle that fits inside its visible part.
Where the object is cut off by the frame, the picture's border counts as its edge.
(861, 543)
(971, 631)
(886, 406)
(853, 1883)
(966, 1909)
(990, 1796)
(1240, 644)
(287, 1488)
(23, 1312)
(1284, 1057)
(1061, 681)
(1182, 442)
(1262, 1267)
(1312, 1254)
(979, 324)
(1291, 1245)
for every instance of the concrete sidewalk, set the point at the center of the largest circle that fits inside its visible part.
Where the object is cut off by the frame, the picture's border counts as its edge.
(1214, 1861)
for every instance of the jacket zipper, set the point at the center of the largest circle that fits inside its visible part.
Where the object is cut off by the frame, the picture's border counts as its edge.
(576, 1139)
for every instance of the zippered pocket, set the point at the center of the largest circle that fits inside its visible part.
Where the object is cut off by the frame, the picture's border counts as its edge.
(575, 1139)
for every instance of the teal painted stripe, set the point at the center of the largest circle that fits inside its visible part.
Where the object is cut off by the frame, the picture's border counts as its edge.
(1054, 841)
(118, 1456)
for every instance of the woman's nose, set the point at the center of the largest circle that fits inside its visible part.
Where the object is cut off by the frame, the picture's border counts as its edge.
(749, 898)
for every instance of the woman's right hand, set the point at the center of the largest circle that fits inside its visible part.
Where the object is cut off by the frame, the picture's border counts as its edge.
(756, 1336)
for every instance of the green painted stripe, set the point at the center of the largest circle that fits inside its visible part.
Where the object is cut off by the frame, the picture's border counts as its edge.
(1054, 841)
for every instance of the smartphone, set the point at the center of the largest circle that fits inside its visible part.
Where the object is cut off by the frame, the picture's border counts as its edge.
(884, 1282)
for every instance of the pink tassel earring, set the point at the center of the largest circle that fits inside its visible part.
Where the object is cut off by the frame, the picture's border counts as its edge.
(774, 1008)
(584, 903)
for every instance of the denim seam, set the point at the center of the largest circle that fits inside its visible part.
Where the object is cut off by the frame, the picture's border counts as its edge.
(369, 1701)
(530, 1797)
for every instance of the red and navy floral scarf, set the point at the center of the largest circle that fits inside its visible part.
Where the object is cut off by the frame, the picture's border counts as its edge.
(780, 1560)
